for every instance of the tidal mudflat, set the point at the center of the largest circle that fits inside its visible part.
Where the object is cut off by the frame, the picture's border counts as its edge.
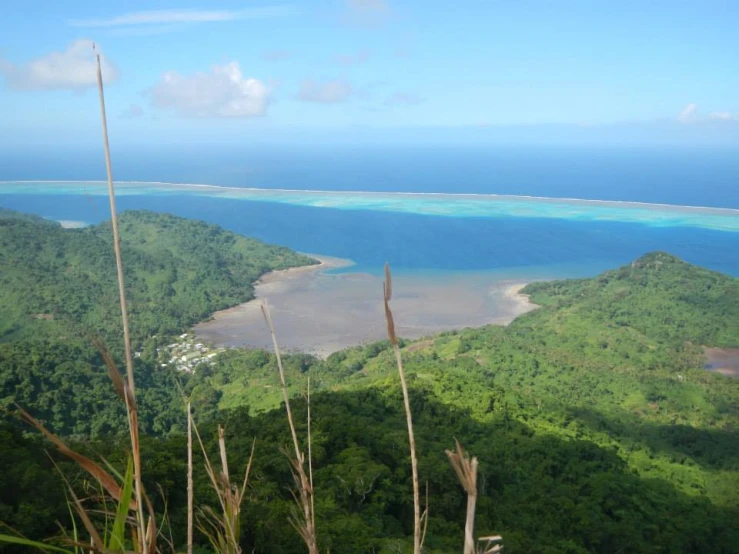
(318, 311)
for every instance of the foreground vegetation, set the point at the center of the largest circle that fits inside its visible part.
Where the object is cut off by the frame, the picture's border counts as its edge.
(596, 428)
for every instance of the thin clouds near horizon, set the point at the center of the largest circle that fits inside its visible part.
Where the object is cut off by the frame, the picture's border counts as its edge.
(690, 114)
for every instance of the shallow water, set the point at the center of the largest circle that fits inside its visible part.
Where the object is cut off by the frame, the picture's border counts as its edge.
(320, 312)
(474, 233)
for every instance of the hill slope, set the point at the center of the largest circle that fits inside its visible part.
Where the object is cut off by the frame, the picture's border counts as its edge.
(659, 296)
(613, 359)
(178, 271)
(59, 286)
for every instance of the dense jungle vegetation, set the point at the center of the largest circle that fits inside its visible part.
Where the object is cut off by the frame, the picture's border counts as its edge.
(61, 283)
(596, 427)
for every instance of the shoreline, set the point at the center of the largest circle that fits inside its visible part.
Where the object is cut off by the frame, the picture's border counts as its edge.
(318, 313)
(325, 263)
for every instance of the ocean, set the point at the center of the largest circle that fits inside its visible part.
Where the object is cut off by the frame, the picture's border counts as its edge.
(454, 229)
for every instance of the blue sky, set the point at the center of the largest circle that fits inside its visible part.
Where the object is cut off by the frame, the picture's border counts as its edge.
(182, 71)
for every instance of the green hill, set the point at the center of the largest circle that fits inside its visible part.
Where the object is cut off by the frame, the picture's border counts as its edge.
(658, 296)
(58, 288)
(57, 282)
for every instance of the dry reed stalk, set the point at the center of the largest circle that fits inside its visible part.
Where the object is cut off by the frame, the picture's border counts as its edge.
(223, 531)
(109, 484)
(310, 464)
(190, 493)
(130, 391)
(466, 470)
(306, 528)
(490, 546)
(97, 472)
(418, 533)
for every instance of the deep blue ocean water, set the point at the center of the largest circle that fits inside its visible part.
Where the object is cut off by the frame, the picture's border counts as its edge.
(537, 247)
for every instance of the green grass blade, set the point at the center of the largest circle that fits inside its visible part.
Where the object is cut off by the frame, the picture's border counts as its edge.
(75, 535)
(118, 534)
(112, 470)
(10, 539)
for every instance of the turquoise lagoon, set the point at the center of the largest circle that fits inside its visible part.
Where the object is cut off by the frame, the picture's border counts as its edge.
(521, 236)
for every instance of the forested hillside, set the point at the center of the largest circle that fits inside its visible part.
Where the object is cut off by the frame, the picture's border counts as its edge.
(58, 291)
(634, 383)
(61, 283)
(596, 426)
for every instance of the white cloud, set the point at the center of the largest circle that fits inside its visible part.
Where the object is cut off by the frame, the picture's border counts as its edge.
(353, 59)
(73, 68)
(720, 116)
(403, 98)
(326, 92)
(159, 17)
(222, 92)
(688, 114)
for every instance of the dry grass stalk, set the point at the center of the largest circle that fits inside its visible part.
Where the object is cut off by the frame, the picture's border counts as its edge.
(121, 495)
(130, 391)
(190, 493)
(147, 532)
(418, 533)
(491, 544)
(98, 473)
(95, 540)
(305, 525)
(223, 530)
(310, 464)
(425, 516)
(466, 469)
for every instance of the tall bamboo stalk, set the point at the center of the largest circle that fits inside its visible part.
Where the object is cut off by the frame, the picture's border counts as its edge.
(417, 531)
(131, 389)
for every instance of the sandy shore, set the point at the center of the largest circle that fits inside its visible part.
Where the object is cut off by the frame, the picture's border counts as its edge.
(325, 263)
(320, 312)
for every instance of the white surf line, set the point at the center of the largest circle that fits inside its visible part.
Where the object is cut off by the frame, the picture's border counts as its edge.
(464, 195)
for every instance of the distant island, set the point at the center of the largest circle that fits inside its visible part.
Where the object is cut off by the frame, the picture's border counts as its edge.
(597, 426)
